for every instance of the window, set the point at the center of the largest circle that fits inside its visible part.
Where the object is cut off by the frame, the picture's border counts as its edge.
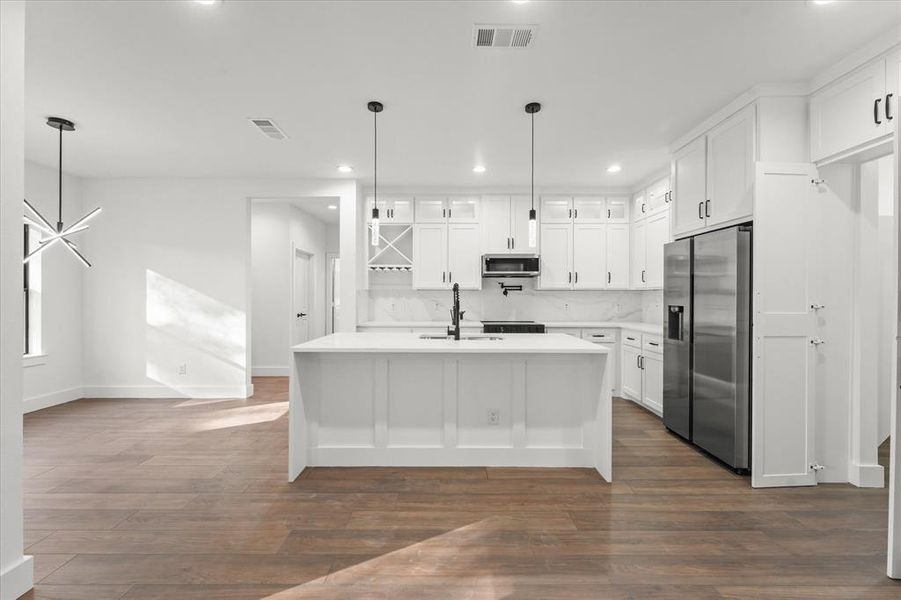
(31, 288)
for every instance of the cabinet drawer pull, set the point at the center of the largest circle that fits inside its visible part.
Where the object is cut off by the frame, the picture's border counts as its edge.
(577, 277)
(876, 111)
(608, 276)
(608, 213)
(570, 277)
(888, 107)
(653, 344)
(631, 339)
(700, 210)
(443, 275)
(642, 276)
(570, 213)
(642, 206)
(707, 209)
(576, 213)
(449, 213)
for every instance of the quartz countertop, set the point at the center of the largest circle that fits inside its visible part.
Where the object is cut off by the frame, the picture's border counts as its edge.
(633, 325)
(520, 343)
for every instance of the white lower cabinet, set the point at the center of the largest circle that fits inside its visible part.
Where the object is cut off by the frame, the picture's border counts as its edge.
(642, 369)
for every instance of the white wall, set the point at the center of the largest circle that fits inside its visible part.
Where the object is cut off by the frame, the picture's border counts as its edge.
(277, 227)
(171, 282)
(58, 377)
(889, 278)
(16, 571)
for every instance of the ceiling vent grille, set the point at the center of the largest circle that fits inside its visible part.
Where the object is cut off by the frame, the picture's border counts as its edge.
(503, 36)
(269, 128)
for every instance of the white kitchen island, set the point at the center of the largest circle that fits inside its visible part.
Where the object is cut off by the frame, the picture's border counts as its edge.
(395, 399)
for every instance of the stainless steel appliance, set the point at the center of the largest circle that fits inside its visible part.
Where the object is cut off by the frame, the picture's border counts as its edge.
(510, 265)
(707, 343)
(512, 327)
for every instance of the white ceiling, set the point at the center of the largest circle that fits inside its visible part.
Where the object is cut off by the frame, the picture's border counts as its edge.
(165, 88)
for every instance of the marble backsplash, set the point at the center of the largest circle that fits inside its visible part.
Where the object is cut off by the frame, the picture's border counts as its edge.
(529, 304)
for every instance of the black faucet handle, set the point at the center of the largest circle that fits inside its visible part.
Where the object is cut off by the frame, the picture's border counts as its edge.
(462, 312)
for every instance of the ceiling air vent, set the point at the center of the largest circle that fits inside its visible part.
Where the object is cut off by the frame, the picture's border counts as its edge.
(268, 127)
(503, 36)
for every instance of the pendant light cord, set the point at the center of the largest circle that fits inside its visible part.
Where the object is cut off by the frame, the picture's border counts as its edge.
(59, 222)
(533, 161)
(375, 159)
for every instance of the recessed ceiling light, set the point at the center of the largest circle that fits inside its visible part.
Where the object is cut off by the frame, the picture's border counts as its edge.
(614, 168)
(207, 2)
(519, 1)
(345, 168)
(478, 169)
(820, 2)
(332, 207)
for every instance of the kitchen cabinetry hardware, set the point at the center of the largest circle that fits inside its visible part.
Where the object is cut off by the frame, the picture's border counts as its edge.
(570, 213)
(888, 107)
(876, 111)
(449, 211)
(608, 276)
(631, 339)
(570, 277)
(608, 213)
(443, 275)
(707, 209)
(701, 209)
(653, 344)
(642, 276)
(817, 306)
(577, 277)
(816, 467)
(817, 181)
(816, 342)
(301, 315)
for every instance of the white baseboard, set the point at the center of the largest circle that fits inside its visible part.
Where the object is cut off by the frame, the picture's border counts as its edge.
(17, 579)
(162, 391)
(52, 399)
(870, 476)
(270, 371)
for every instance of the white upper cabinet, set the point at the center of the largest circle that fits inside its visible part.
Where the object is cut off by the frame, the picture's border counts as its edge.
(892, 85)
(556, 256)
(430, 256)
(447, 209)
(392, 209)
(689, 179)
(463, 209)
(556, 209)
(618, 209)
(464, 260)
(618, 256)
(495, 224)
(730, 169)
(519, 227)
(658, 196)
(639, 205)
(849, 112)
(504, 222)
(657, 232)
(589, 256)
(639, 254)
(589, 209)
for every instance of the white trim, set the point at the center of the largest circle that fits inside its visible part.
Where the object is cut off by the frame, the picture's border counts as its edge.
(271, 371)
(874, 49)
(162, 391)
(33, 360)
(52, 399)
(870, 476)
(748, 97)
(17, 579)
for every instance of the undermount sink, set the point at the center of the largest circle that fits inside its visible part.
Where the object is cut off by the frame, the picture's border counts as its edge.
(443, 336)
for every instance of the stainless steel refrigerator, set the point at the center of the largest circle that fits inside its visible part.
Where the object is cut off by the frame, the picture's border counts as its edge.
(707, 342)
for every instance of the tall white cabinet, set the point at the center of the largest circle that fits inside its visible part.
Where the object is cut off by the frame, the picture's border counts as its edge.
(650, 231)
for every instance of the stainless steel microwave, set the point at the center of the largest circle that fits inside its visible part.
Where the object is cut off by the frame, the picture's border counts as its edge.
(510, 265)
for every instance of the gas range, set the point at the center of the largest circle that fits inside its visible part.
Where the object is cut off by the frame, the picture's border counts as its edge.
(512, 327)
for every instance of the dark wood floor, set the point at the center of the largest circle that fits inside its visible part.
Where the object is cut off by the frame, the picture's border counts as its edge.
(172, 499)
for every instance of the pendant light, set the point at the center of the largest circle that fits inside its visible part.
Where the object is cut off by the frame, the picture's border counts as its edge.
(51, 234)
(375, 108)
(531, 109)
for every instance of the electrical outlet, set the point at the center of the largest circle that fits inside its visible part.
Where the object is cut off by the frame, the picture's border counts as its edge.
(183, 369)
(566, 306)
(494, 416)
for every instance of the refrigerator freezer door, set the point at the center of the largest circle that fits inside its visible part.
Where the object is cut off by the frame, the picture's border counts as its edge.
(677, 262)
(721, 352)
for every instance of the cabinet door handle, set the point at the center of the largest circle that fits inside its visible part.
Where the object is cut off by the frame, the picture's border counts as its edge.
(570, 213)
(638, 361)
(608, 213)
(576, 213)
(450, 276)
(642, 276)
(608, 276)
(443, 275)
(512, 243)
(888, 107)
(876, 111)
(642, 207)
(700, 210)
(449, 211)
(577, 277)
(570, 280)
(707, 209)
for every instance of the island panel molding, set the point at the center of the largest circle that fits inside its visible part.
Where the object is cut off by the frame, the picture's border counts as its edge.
(369, 399)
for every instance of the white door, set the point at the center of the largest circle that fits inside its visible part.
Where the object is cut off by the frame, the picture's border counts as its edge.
(589, 209)
(589, 256)
(730, 168)
(782, 435)
(618, 256)
(658, 195)
(556, 209)
(639, 254)
(430, 209)
(401, 209)
(430, 256)
(657, 235)
(302, 296)
(519, 226)
(556, 256)
(618, 209)
(652, 382)
(463, 209)
(689, 180)
(849, 112)
(464, 261)
(631, 372)
(495, 225)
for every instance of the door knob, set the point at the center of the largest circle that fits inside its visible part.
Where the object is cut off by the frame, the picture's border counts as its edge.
(817, 306)
(816, 342)
(300, 315)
